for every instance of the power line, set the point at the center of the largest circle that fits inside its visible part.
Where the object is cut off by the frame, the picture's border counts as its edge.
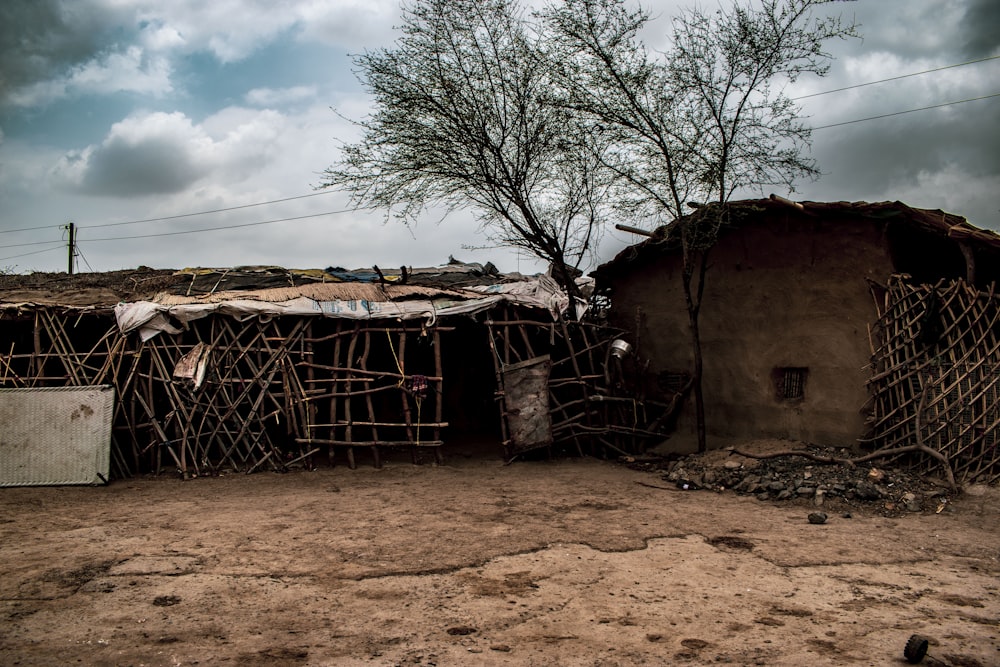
(21, 245)
(894, 78)
(218, 210)
(215, 229)
(174, 217)
(30, 229)
(900, 113)
(37, 252)
(189, 231)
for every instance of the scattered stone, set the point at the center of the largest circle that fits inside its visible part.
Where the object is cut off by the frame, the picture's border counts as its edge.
(817, 517)
(732, 465)
(503, 648)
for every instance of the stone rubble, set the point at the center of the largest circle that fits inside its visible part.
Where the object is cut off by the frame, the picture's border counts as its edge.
(876, 485)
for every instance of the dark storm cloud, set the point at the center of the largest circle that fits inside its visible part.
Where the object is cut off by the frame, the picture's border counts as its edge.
(42, 38)
(981, 28)
(152, 166)
(887, 150)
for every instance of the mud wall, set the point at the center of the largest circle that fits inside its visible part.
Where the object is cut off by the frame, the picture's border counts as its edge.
(785, 302)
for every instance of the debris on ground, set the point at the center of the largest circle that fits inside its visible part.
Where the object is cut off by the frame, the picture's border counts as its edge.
(880, 487)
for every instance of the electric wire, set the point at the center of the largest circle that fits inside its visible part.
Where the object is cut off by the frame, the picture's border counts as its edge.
(894, 78)
(79, 253)
(190, 231)
(217, 210)
(21, 245)
(174, 217)
(215, 229)
(900, 113)
(37, 252)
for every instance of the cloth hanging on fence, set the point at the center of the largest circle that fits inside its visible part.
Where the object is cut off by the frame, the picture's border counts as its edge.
(418, 385)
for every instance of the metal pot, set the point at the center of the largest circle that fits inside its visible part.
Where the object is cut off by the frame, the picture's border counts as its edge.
(620, 348)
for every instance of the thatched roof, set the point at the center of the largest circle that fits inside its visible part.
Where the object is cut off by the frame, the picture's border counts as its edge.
(255, 283)
(934, 222)
(94, 290)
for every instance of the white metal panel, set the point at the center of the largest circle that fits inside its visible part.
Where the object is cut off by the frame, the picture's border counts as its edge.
(55, 435)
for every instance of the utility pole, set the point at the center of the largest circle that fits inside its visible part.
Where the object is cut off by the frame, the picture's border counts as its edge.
(72, 246)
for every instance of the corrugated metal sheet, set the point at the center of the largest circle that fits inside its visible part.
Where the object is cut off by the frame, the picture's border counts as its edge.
(55, 435)
(526, 403)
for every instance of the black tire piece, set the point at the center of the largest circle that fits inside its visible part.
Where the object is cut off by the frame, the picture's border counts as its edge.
(916, 649)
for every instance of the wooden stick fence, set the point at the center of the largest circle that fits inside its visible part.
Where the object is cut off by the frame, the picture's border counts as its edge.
(936, 375)
(592, 409)
(265, 394)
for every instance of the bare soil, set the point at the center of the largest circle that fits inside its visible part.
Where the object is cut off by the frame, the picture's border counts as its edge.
(568, 562)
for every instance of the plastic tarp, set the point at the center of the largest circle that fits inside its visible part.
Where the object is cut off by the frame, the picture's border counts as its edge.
(151, 318)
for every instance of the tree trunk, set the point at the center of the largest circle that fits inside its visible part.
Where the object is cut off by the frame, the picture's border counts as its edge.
(693, 308)
(563, 274)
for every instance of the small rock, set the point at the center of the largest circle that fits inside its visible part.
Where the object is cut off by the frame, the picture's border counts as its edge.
(867, 491)
(817, 517)
(732, 465)
(912, 502)
(784, 495)
(805, 491)
(503, 648)
(819, 497)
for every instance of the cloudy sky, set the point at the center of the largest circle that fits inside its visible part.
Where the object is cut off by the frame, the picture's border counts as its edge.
(119, 111)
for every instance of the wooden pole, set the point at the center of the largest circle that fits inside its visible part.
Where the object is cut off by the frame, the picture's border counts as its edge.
(72, 247)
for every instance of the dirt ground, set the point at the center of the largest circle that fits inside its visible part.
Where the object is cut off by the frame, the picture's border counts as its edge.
(568, 562)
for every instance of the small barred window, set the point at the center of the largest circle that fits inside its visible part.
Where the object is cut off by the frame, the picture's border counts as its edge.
(790, 383)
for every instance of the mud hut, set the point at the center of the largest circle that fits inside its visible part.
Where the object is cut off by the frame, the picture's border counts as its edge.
(265, 368)
(841, 324)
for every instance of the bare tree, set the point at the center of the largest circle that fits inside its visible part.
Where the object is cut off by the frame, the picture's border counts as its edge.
(463, 118)
(702, 121)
